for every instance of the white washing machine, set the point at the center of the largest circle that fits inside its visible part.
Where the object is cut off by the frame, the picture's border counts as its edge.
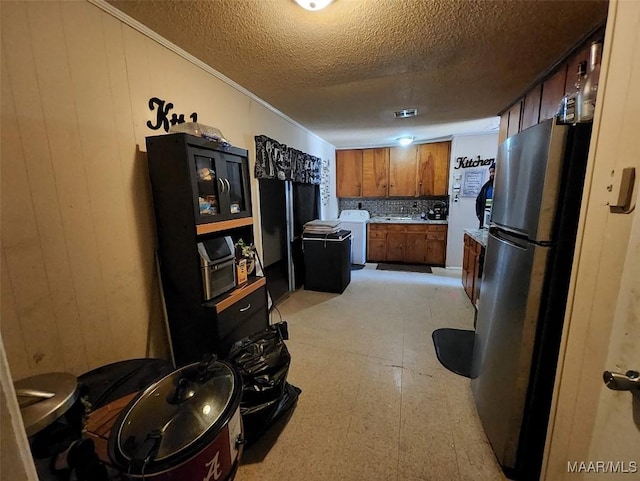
(356, 222)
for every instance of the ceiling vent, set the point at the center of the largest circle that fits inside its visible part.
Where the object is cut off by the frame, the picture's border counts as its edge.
(406, 113)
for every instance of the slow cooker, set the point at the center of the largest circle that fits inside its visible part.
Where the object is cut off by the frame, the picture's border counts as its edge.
(186, 426)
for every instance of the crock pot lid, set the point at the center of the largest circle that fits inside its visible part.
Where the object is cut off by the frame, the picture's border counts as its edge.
(180, 424)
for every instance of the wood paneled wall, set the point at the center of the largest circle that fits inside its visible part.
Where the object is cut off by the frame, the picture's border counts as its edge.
(79, 286)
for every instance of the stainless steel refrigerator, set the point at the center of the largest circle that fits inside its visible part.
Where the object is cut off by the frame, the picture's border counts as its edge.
(537, 194)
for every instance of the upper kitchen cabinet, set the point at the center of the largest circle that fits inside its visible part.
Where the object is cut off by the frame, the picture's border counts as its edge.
(402, 171)
(531, 110)
(510, 122)
(375, 172)
(433, 168)
(581, 56)
(514, 119)
(349, 173)
(413, 171)
(552, 93)
(542, 100)
(504, 127)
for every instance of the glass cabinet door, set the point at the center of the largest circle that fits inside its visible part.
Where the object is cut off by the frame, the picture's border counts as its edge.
(236, 184)
(209, 185)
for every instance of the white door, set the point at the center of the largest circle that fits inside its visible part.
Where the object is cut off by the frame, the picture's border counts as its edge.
(594, 432)
(615, 441)
(616, 437)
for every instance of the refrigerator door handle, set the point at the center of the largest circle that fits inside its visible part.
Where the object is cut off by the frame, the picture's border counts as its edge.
(513, 241)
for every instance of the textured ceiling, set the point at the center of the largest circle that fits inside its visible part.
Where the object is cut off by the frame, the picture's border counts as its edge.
(343, 71)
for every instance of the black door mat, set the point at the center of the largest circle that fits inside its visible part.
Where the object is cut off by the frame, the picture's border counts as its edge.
(357, 267)
(384, 266)
(454, 348)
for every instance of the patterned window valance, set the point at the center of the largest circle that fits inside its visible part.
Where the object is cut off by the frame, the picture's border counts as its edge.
(277, 161)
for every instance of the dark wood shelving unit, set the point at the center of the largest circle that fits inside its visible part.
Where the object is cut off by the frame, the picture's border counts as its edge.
(184, 217)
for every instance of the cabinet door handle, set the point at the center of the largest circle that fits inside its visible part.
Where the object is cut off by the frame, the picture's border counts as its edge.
(221, 185)
(246, 308)
(228, 185)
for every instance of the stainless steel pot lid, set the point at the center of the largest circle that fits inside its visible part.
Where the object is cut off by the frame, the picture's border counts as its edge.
(44, 398)
(176, 412)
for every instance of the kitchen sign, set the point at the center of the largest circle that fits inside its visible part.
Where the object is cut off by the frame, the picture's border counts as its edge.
(162, 108)
(466, 162)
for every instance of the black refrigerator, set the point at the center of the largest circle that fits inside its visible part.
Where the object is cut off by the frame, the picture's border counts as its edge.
(285, 207)
(536, 204)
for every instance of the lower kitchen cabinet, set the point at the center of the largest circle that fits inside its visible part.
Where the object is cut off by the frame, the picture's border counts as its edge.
(396, 246)
(416, 251)
(472, 260)
(436, 245)
(376, 244)
(411, 243)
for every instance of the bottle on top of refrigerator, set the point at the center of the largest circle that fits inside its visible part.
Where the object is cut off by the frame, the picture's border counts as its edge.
(589, 89)
(567, 113)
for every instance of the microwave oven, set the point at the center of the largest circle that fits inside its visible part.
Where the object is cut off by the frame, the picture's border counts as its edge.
(218, 266)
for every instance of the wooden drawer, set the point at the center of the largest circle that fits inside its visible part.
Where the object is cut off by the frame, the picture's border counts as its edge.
(417, 227)
(245, 317)
(396, 227)
(377, 227)
(436, 235)
(377, 234)
(437, 227)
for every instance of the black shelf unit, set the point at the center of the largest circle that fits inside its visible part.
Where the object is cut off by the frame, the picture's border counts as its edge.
(198, 326)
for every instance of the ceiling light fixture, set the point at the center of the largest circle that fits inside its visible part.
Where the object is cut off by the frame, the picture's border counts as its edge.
(405, 140)
(313, 5)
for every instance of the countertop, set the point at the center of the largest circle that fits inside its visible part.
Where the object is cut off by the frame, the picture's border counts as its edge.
(404, 220)
(479, 235)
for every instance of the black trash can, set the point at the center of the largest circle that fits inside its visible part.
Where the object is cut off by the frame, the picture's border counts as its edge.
(327, 261)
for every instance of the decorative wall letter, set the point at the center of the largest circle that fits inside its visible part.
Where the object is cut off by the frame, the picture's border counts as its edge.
(162, 115)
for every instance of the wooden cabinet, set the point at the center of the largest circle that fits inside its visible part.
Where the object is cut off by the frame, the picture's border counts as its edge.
(189, 176)
(504, 127)
(402, 171)
(433, 168)
(349, 173)
(376, 242)
(472, 260)
(552, 93)
(514, 119)
(410, 243)
(375, 172)
(396, 246)
(531, 110)
(412, 171)
(542, 101)
(436, 245)
(572, 67)
(415, 248)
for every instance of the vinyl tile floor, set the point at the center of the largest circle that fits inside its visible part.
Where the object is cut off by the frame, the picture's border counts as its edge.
(376, 404)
